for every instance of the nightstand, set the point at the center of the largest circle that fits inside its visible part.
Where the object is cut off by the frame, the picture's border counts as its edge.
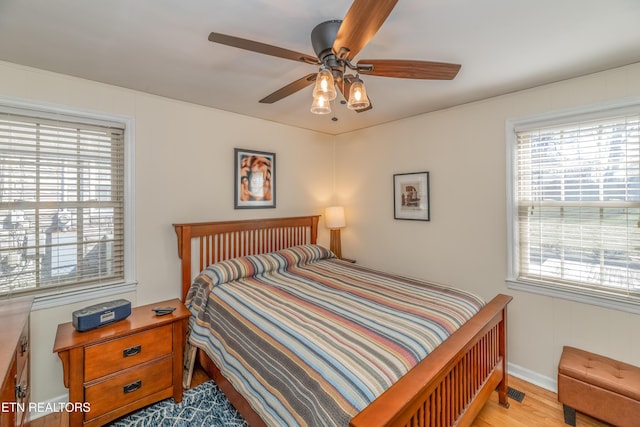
(118, 368)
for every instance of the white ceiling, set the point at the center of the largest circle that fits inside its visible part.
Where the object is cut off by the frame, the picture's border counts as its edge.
(161, 47)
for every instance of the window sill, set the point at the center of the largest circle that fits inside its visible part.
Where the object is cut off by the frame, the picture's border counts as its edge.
(70, 296)
(613, 302)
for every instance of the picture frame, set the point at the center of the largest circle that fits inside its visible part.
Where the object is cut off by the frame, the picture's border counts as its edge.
(411, 196)
(255, 179)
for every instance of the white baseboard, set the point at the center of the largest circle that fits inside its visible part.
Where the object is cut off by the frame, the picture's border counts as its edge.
(47, 407)
(528, 375)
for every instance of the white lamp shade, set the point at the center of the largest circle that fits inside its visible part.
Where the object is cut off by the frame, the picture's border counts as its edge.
(334, 217)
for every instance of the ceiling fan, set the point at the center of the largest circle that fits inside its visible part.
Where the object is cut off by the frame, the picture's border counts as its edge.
(336, 43)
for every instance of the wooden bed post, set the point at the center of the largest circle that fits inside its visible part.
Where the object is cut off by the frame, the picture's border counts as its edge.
(184, 252)
(502, 336)
(314, 229)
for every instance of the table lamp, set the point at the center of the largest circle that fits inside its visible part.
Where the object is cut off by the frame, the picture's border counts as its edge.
(334, 220)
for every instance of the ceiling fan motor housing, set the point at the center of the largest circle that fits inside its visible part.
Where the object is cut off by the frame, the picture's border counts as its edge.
(323, 36)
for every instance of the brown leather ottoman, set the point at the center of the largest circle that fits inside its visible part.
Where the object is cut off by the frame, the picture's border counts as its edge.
(598, 386)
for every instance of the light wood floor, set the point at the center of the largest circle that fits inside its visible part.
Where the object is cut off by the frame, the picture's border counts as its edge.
(540, 408)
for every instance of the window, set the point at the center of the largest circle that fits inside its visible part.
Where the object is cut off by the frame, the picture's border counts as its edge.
(574, 191)
(62, 201)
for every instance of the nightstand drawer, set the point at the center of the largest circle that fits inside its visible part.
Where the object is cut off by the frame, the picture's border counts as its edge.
(130, 386)
(122, 353)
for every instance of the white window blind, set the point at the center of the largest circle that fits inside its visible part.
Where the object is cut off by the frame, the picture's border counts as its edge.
(61, 202)
(577, 206)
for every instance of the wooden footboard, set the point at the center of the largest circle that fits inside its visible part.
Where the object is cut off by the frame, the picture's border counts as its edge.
(447, 388)
(450, 386)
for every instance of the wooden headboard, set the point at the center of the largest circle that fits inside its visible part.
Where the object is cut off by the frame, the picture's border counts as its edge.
(223, 240)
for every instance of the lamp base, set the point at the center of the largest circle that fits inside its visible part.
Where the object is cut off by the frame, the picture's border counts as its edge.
(335, 244)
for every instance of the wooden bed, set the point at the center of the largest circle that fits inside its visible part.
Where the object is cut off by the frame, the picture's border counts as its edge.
(447, 388)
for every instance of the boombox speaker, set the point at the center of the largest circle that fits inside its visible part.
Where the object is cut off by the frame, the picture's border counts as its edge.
(98, 315)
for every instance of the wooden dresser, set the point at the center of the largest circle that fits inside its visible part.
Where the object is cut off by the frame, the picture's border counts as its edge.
(14, 360)
(124, 366)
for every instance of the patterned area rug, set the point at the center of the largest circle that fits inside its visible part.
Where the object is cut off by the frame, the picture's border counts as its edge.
(201, 406)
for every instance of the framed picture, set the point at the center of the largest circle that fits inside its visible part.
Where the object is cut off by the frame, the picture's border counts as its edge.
(411, 196)
(255, 179)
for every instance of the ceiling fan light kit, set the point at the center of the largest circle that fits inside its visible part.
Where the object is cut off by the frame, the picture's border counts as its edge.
(325, 85)
(358, 98)
(320, 105)
(336, 43)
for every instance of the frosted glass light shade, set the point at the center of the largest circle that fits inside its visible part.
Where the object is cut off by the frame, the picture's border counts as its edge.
(325, 85)
(320, 105)
(334, 217)
(358, 96)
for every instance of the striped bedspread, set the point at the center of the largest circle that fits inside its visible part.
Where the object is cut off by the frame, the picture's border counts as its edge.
(311, 340)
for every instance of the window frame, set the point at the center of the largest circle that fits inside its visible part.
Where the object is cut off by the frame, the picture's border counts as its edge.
(554, 118)
(48, 298)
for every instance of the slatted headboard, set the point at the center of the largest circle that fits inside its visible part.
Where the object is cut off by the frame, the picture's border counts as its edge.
(223, 240)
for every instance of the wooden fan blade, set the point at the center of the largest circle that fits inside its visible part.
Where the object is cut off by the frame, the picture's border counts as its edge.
(263, 48)
(345, 88)
(289, 89)
(407, 69)
(361, 23)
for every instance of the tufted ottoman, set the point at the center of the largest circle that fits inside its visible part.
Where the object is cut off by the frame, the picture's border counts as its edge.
(598, 386)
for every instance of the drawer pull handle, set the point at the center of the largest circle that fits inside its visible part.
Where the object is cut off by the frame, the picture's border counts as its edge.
(132, 351)
(132, 387)
(21, 391)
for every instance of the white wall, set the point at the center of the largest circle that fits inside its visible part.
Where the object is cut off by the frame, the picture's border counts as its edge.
(184, 169)
(465, 243)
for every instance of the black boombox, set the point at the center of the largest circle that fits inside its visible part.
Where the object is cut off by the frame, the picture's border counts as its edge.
(98, 315)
